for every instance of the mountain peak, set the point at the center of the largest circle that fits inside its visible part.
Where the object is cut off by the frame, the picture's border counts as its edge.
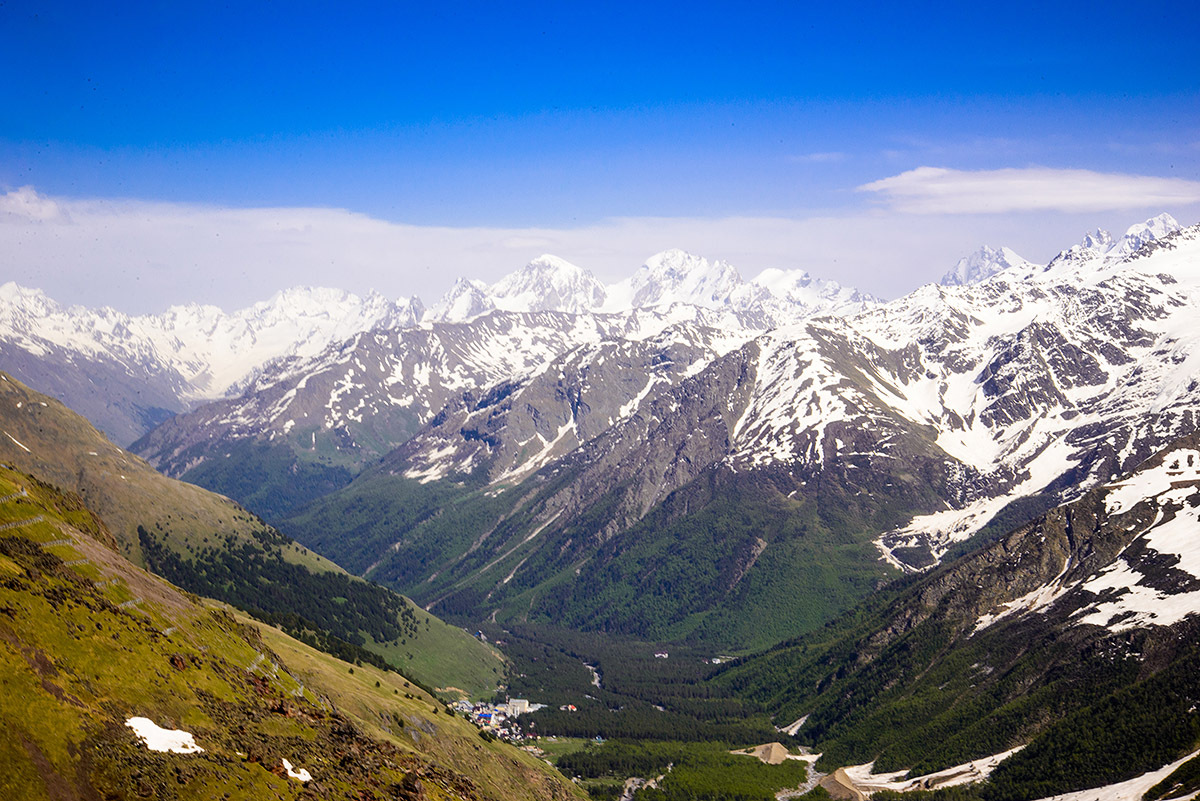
(1099, 244)
(548, 283)
(1098, 241)
(676, 276)
(30, 301)
(1140, 234)
(982, 265)
(465, 300)
(552, 262)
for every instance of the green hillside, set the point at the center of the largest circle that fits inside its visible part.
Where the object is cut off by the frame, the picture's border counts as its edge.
(209, 545)
(88, 641)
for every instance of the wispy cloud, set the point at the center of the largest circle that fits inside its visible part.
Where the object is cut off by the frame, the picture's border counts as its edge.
(936, 190)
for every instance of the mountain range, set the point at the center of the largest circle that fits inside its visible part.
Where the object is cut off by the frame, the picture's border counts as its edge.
(955, 524)
(577, 446)
(128, 373)
(580, 427)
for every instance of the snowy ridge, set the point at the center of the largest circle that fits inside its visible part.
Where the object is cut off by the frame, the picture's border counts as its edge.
(797, 295)
(673, 278)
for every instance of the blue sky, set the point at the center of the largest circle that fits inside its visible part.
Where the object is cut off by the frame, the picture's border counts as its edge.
(536, 121)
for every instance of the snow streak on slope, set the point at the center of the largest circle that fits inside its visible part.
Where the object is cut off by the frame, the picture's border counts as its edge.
(1132, 790)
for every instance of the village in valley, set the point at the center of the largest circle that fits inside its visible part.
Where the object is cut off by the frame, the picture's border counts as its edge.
(499, 720)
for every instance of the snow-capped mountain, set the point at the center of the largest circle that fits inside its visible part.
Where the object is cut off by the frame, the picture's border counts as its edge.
(982, 265)
(466, 300)
(186, 354)
(549, 283)
(667, 279)
(675, 276)
(1034, 380)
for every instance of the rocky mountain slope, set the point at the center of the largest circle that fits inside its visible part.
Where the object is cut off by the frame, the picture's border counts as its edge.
(116, 684)
(1073, 638)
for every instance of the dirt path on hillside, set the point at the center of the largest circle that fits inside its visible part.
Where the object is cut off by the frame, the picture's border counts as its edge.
(841, 787)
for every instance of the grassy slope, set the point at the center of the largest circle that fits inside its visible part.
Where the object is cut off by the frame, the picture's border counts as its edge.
(87, 640)
(495, 766)
(48, 440)
(455, 663)
(61, 447)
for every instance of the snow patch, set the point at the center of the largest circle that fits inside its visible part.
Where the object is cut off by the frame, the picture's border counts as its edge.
(1137, 605)
(299, 775)
(156, 738)
(1131, 790)
(1180, 465)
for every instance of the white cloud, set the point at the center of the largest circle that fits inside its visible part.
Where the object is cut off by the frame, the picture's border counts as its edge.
(936, 190)
(26, 204)
(142, 256)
